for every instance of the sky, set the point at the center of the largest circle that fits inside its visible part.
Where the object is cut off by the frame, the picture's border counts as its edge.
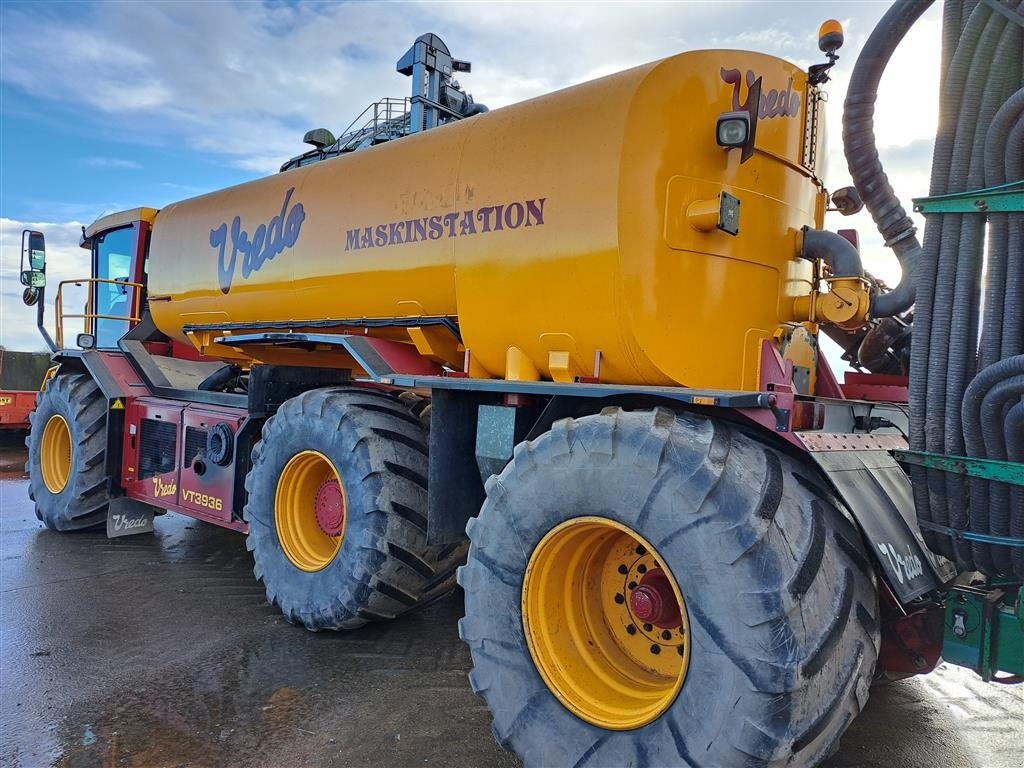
(106, 106)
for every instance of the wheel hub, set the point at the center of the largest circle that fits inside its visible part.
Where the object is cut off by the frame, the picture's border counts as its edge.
(330, 508)
(309, 511)
(653, 602)
(592, 592)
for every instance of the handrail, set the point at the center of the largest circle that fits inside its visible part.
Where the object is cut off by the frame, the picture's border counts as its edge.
(89, 315)
(388, 117)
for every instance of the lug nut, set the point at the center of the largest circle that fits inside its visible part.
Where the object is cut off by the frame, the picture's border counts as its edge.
(619, 598)
(648, 627)
(655, 649)
(631, 629)
(623, 570)
(640, 550)
(666, 635)
(632, 585)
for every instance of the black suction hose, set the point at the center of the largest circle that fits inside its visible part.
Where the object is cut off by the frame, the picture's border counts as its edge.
(862, 156)
(1013, 315)
(974, 433)
(967, 357)
(994, 409)
(963, 258)
(951, 312)
(999, 230)
(1015, 452)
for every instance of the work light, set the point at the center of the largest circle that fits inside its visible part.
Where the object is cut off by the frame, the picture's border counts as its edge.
(733, 129)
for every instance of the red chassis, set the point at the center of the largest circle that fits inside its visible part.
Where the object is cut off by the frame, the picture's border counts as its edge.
(164, 459)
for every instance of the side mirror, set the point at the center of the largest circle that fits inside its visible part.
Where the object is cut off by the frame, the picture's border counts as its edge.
(36, 249)
(33, 245)
(32, 278)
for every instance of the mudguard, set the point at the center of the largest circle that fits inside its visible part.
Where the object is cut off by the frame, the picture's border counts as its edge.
(878, 494)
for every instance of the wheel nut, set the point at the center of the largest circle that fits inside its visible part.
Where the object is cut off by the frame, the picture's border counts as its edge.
(619, 598)
(631, 629)
(655, 649)
(623, 570)
(640, 550)
(666, 635)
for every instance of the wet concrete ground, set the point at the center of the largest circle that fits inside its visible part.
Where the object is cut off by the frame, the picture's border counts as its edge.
(161, 651)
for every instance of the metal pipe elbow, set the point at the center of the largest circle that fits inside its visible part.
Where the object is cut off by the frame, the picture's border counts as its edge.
(835, 250)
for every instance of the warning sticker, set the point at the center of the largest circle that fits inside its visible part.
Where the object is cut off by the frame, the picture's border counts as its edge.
(118, 405)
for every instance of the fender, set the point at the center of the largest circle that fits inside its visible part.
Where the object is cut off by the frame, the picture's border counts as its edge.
(118, 382)
(877, 492)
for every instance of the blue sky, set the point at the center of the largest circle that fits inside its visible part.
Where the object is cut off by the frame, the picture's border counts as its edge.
(108, 106)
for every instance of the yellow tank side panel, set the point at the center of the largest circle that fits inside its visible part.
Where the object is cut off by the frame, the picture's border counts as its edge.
(316, 278)
(555, 231)
(700, 302)
(549, 288)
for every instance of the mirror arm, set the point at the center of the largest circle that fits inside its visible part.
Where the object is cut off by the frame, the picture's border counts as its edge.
(40, 309)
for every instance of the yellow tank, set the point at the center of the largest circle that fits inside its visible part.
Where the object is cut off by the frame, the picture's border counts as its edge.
(575, 226)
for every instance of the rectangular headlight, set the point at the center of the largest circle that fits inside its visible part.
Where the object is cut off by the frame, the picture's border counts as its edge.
(732, 129)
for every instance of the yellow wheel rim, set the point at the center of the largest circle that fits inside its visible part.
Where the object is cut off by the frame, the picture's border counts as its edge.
(55, 454)
(309, 511)
(605, 623)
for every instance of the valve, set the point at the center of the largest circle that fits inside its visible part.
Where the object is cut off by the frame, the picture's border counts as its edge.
(845, 304)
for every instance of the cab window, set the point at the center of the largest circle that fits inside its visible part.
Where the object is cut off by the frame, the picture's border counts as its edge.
(114, 299)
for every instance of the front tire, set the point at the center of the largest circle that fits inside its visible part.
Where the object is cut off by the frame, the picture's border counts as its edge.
(336, 507)
(67, 445)
(777, 638)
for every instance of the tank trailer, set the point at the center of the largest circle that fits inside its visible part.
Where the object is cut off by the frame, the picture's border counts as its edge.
(566, 353)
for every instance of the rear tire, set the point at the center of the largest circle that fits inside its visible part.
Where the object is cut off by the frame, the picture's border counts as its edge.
(67, 445)
(382, 567)
(780, 596)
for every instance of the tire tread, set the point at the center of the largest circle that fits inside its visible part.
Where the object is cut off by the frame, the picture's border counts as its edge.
(815, 628)
(398, 571)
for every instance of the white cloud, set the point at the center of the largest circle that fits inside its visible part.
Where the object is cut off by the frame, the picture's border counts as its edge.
(64, 261)
(243, 81)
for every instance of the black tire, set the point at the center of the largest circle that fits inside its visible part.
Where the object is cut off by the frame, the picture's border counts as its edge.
(83, 501)
(384, 567)
(780, 594)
